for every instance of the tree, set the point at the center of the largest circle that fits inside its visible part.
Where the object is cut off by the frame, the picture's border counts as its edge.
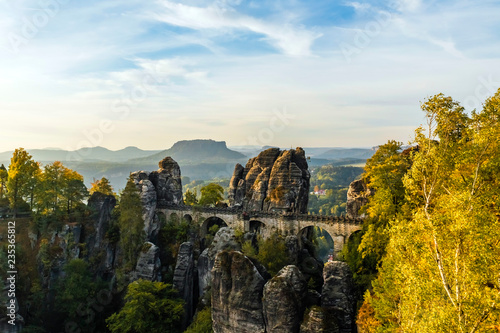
(60, 189)
(74, 292)
(131, 223)
(4, 175)
(211, 194)
(150, 307)
(384, 173)
(20, 177)
(101, 185)
(74, 191)
(190, 198)
(202, 322)
(440, 271)
(54, 179)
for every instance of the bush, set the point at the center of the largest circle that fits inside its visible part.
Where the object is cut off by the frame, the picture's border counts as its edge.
(202, 323)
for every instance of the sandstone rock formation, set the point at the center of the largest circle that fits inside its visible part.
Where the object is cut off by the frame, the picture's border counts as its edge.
(275, 180)
(167, 182)
(357, 197)
(316, 320)
(283, 301)
(184, 279)
(237, 288)
(224, 239)
(158, 189)
(337, 297)
(102, 205)
(292, 249)
(148, 264)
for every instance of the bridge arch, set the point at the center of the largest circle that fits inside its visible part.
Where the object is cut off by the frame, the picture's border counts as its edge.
(188, 218)
(210, 222)
(174, 217)
(257, 227)
(320, 239)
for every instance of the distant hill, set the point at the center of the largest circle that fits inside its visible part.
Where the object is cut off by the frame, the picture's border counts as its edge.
(347, 153)
(84, 154)
(198, 159)
(195, 152)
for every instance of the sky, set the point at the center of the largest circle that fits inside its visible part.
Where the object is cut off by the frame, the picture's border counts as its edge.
(321, 73)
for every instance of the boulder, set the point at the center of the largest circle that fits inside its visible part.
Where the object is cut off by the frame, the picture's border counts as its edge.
(237, 288)
(283, 301)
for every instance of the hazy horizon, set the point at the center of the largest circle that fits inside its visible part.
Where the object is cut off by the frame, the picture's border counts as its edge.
(287, 74)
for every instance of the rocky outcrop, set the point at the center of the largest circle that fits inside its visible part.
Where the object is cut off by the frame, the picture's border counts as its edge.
(149, 199)
(316, 320)
(337, 297)
(275, 180)
(283, 301)
(357, 197)
(167, 182)
(148, 264)
(224, 239)
(292, 249)
(158, 189)
(184, 280)
(237, 288)
(102, 205)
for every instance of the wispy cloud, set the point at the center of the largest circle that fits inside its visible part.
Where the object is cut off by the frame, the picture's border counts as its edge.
(291, 39)
(201, 61)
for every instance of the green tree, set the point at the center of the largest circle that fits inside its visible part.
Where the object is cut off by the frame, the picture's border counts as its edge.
(59, 190)
(20, 176)
(211, 194)
(190, 198)
(131, 223)
(101, 185)
(150, 307)
(384, 173)
(53, 180)
(270, 252)
(74, 292)
(202, 322)
(440, 271)
(74, 190)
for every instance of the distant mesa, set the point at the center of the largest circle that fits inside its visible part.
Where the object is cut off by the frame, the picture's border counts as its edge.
(192, 151)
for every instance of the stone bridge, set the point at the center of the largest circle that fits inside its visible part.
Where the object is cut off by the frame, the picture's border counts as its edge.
(265, 223)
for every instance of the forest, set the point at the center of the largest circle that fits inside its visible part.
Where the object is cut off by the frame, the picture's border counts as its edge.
(426, 260)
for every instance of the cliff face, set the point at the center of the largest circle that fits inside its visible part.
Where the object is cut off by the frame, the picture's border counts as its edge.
(275, 180)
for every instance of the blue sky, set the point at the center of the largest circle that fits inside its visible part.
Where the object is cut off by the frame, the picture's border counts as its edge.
(287, 73)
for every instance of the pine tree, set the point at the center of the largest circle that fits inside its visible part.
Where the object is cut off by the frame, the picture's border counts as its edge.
(131, 223)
